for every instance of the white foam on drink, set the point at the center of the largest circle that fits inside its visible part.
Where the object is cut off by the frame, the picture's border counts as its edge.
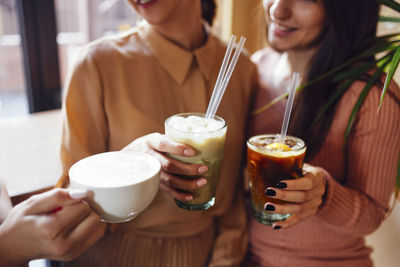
(195, 124)
(113, 169)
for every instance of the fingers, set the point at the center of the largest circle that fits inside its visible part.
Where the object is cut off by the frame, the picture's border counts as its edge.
(302, 197)
(295, 195)
(182, 196)
(174, 185)
(159, 145)
(84, 235)
(49, 201)
(99, 233)
(70, 216)
(303, 189)
(182, 183)
(292, 208)
(178, 167)
(307, 182)
(292, 220)
(164, 144)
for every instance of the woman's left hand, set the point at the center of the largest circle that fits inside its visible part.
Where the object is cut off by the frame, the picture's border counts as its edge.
(304, 194)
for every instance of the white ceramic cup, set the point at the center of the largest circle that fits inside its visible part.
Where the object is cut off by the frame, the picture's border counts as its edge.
(120, 184)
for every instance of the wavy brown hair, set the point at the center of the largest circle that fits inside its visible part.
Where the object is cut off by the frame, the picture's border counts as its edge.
(350, 27)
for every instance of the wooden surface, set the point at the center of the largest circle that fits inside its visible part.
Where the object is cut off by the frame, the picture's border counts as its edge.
(29, 152)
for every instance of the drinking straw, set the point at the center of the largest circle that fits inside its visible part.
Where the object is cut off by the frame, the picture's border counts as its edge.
(289, 104)
(220, 86)
(221, 74)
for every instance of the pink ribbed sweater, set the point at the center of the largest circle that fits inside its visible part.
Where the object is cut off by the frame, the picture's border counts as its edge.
(357, 199)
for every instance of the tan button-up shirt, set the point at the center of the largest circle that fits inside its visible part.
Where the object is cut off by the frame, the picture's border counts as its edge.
(124, 87)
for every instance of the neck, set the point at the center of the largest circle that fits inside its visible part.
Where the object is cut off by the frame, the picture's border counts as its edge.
(186, 31)
(299, 61)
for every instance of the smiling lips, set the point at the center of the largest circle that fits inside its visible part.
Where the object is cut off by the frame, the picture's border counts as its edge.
(281, 30)
(144, 2)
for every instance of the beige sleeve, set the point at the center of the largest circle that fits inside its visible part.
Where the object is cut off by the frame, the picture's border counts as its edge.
(84, 130)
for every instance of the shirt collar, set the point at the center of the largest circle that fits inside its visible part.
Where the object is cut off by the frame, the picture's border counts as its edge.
(176, 60)
(206, 55)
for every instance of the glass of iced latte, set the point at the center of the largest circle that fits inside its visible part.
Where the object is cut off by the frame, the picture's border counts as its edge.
(269, 162)
(207, 137)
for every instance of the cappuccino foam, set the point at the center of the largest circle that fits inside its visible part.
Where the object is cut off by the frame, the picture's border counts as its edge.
(113, 169)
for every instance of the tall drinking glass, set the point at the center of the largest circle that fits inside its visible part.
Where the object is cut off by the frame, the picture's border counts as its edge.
(268, 162)
(207, 137)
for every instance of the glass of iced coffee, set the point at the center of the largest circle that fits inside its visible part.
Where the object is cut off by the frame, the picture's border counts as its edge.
(269, 162)
(207, 138)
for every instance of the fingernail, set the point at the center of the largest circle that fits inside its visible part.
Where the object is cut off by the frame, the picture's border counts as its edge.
(281, 185)
(203, 169)
(77, 193)
(188, 198)
(270, 192)
(56, 209)
(201, 182)
(277, 227)
(189, 152)
(269, 207)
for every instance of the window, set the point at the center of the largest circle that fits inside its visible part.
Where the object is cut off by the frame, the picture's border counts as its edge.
(82, 21)
(12, 80)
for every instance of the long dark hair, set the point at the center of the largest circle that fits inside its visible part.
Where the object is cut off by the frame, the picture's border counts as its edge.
(350, 26)
(208, 9)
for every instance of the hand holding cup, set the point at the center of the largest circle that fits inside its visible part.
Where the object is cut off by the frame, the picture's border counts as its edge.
(301, 197)
(58, 224)
(172, 170)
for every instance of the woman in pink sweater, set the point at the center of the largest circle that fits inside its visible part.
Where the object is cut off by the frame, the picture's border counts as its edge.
(344, 194)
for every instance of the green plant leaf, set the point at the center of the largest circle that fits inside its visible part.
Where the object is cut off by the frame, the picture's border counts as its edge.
(271, 103)
(351, 75)
(360, 100)
(389, 19)
(387, 36)
(357, 70)
(339, 91)
(376, 48)
(390, 3)
(392, 69)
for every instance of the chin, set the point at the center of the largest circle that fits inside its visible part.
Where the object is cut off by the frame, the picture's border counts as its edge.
(277, 46)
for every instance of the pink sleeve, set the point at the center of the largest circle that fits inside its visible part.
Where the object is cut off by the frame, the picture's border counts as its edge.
(360, 204)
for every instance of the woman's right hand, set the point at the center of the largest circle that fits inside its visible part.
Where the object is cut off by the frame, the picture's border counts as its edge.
(158, 145)
(56, 225)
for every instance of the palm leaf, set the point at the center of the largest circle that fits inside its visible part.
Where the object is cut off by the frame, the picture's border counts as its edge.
(351, 75)
(361, 99)
(392, 69)
(389, 19)
(390, 3)
(381, 46)
(356, 71)
(339, 91)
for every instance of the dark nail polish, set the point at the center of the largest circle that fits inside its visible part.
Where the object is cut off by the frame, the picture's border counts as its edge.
(277, 227)
(281, 185)
(270, 192)
(270, 207)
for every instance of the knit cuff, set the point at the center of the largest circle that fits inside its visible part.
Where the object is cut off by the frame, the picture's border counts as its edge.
(341, 206)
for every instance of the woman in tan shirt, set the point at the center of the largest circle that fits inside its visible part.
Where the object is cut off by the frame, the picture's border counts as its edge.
(123, 87)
